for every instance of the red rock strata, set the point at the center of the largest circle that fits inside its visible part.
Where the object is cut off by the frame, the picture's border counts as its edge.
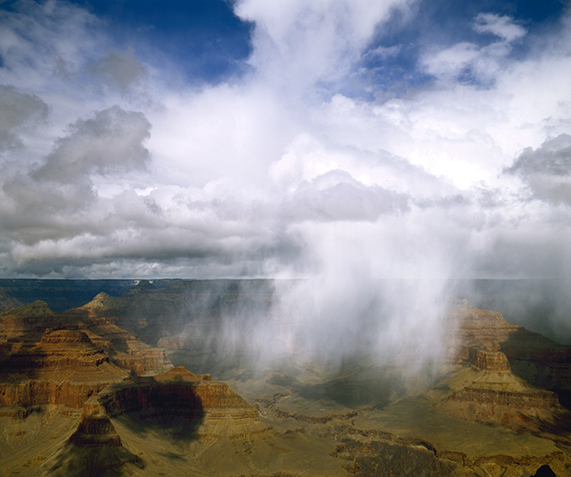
(18, 321)
(178, 391)
(46, 359)
(532, 411)
(468, 327)
(519, 401)
(490, 360)
(56, 367)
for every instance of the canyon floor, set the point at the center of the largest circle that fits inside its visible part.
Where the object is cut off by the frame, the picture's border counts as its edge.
(140, 380)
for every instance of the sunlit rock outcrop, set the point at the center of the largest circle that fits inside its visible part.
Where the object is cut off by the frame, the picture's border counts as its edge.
(54, 367)
(54, 358)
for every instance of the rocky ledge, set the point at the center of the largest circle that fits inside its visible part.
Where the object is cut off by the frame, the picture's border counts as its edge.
(54, 367)
(482, 387)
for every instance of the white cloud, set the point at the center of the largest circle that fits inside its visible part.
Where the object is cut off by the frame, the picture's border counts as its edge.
(547, 169)
(120, 68)
(484, 63)
(382, 52)
(298, 43)
(279, 173)
(110, 142)
(46, 40)
(450, 62)
(502, 26)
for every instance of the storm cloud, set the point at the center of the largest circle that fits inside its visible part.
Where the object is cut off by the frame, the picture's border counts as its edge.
(112, 166)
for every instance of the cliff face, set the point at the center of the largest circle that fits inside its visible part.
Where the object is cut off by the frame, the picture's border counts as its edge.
(17, 322)
(541, 362)
(53, 367)
(125, 350)
(53, 358)
(474, 334)
(523, 410)
(514, 401)
(488, 359)
(467, 327)
(482, 386)
(178, 391)
(483, 418)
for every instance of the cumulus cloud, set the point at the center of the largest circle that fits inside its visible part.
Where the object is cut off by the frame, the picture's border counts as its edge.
(20, 112)
(120, 68)
(251, 176)
(53, 200)
(280, 172)
(337, 196)
(547, 169)
(110, 142)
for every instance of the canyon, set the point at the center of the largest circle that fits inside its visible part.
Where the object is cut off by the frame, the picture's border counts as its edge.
(143, 382)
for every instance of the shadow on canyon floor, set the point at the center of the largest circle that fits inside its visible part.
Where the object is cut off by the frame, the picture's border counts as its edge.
(176, 414)
(144, 418)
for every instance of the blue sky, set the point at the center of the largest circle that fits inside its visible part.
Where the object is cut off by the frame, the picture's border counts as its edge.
(395, 138)
(209, 43)
(204, 38)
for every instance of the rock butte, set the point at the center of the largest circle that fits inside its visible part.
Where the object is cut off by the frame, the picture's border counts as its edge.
(126, 351)
(220, 410)
(482, 387)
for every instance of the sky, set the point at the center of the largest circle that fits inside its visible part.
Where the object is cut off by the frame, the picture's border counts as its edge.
(349, 140)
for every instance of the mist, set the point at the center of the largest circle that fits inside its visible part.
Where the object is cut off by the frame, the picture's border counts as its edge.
(370, 165)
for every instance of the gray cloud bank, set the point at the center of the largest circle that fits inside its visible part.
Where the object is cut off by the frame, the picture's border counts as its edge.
(20, 112)
(547, 169)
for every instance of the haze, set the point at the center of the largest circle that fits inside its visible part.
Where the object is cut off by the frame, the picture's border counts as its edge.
(341, 141)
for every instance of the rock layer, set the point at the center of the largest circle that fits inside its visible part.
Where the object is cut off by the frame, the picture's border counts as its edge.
(63, 369)
(124, 349)
(178, 423)
(533, 357)
(52, 358)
